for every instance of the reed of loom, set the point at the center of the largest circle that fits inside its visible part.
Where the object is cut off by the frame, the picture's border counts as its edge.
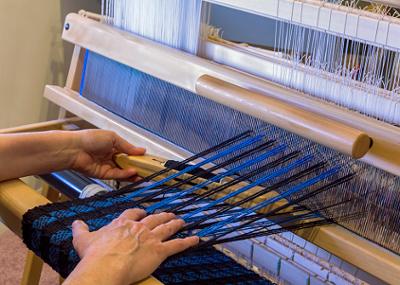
(329, 125)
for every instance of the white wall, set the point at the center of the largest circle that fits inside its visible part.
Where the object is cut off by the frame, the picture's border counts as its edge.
(32, 54)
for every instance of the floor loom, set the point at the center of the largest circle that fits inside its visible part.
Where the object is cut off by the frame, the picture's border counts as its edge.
(345, 131)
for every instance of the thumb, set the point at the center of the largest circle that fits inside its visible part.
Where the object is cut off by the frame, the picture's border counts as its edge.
(79, 228)
(125, 147)
(120, 174)
(79, 240)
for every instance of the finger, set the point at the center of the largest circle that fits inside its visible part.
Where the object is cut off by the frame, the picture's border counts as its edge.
(134, 178)
(120, 174)
(165, 231)
(137, 179)
(81, 237)
(153, 221)
(133, 214)
(79, 228)
(138, 151)
(177, 245)
(123, 146)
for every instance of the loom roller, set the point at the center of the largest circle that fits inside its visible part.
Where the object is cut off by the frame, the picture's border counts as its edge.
(207, 85)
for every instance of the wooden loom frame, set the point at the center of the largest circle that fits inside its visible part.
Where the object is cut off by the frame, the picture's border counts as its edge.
(351, 248)
(119, 45)
(348, 246)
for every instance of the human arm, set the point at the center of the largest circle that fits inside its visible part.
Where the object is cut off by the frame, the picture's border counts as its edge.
(88, 151)
(127, 250)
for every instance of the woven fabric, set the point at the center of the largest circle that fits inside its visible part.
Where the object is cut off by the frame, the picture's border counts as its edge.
(47, 232)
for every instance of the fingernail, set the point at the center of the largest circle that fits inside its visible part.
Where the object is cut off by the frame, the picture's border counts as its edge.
(140, 149)
(137, 179)
(76, 222)
(180, 222)
(133, 171)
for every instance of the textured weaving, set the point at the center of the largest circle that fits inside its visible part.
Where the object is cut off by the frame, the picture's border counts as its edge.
(47, 232)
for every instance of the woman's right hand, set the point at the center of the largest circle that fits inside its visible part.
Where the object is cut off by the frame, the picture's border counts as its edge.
(127, 250)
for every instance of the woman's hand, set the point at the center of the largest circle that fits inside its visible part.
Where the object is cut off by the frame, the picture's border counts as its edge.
(90, 152)
(95, 151)
(127, 250)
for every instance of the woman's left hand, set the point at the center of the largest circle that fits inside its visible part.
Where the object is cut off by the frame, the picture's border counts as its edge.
(95, 152)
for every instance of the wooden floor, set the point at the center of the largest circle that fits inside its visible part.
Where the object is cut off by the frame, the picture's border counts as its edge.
(12, 258)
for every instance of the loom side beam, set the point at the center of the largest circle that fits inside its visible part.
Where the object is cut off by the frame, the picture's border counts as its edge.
(356, 250)
(362, 253)
(44, 126)
(15, 199)
(184, 70)
(74, 74)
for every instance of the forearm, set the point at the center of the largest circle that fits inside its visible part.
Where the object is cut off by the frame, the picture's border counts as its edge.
(36, 153)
